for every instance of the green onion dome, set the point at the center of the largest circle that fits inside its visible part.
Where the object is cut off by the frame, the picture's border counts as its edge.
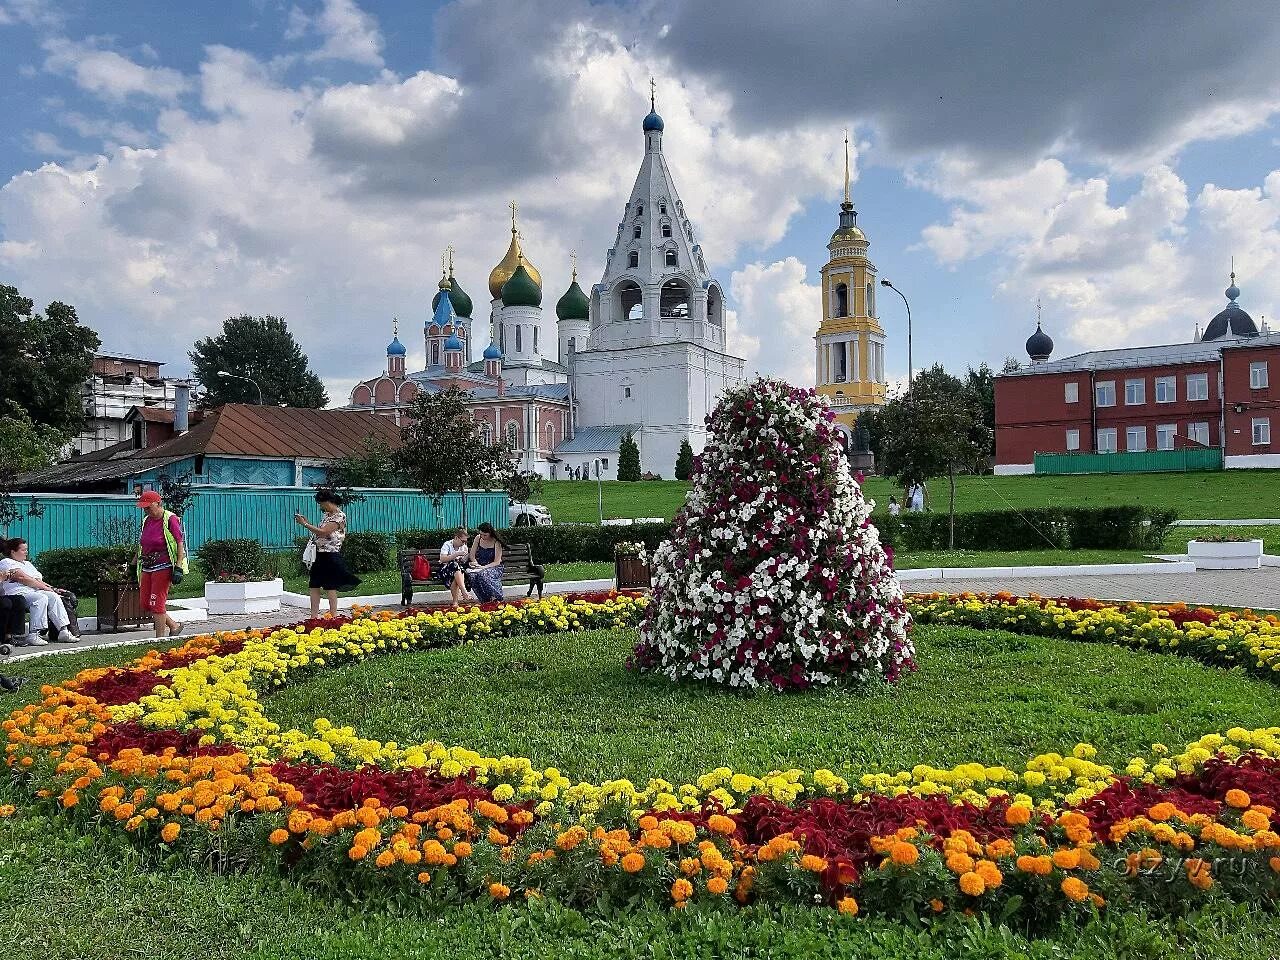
(574, 305)
(520, 290)
(462, 306)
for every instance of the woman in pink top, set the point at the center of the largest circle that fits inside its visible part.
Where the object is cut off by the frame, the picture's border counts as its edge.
(156, 562)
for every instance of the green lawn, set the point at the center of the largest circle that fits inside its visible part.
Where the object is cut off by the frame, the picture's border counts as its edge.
(567, 701)
(1224, 495)
(993, 696)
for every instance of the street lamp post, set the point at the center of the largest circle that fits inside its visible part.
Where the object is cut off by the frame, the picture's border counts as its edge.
(910, 366)
(599, 493)
(234, 376)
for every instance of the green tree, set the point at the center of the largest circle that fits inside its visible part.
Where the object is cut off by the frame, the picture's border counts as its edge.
(684, 460)
(982, 382)
(869, 429)
(442, 450)
(1011, 365)
(628, 459)
(374, 466)
(263, 350)
(523, 485)
(44, 361)
(176, 492)
(24, 446)
(936, 430)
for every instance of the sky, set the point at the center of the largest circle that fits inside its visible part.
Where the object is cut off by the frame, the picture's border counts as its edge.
(165, 165)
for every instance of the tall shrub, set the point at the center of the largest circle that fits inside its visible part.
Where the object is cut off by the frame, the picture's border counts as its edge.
(628, 459)
(773, 575)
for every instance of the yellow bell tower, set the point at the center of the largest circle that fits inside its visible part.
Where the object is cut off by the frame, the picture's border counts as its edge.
(849, 364)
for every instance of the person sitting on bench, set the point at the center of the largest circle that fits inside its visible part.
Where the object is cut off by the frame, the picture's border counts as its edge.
(50, 607)
(452, 572)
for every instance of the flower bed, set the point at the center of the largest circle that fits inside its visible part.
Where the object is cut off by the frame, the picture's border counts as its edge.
(176, 750)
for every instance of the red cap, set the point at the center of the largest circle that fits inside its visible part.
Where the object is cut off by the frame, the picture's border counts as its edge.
(148, 498)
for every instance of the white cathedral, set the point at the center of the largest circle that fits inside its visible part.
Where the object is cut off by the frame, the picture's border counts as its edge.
(644, 354)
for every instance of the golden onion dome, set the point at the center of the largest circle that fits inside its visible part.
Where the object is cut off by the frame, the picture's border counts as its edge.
(507, 266)
(848, 233)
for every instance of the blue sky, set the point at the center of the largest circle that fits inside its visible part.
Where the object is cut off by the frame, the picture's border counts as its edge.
(165, 165)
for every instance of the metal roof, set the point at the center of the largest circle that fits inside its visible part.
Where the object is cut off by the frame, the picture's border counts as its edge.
(1168, 355)
(539, 391)
(602, 439)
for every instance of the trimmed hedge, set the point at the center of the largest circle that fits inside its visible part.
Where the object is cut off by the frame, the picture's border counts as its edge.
(78, 568)
(242, 557)
(1037, 528)
(366, 552)
(554, 544)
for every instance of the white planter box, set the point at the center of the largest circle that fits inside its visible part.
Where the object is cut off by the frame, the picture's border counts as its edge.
(257, 596)
(1232, 555)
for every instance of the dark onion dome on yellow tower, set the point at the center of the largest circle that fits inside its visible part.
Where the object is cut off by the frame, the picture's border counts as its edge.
(574, 305)
(462, 305)
(521, 290)
(1232, 321)
(1039, 345)
(507, 266)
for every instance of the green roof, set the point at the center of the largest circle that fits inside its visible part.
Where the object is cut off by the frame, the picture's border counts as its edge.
(462, 305)
(520, 290)
(574, 305)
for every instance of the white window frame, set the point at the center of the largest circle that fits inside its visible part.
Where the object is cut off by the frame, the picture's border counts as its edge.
(1071, 392)
(1170, 391)
(1129, 434)
(1137, 389)
(1104, 387)
(1194, 432)
(1258, 379)
(1261, 431)
(1073, 441)
(1107, 440)
(1166, 432)
(1197, 378)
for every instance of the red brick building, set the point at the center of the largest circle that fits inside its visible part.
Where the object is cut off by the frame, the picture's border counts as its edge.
(1219, 392)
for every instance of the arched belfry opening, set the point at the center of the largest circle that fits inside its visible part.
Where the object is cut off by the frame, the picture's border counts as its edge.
(630, 300)
(842, 300)
(673, 304)
(715, 306)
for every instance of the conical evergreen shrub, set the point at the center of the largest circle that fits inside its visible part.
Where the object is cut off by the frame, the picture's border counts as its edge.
(774, 575)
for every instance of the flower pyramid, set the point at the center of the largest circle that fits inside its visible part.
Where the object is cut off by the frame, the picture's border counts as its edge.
(774, 575)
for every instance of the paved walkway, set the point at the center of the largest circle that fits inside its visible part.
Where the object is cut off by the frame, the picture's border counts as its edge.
(1258, 589)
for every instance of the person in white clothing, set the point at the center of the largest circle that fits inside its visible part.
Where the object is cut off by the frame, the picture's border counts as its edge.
(894, 507)
(453, 564)
(43, 599)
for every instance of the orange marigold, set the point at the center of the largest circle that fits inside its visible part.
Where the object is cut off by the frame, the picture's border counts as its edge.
(1162, 811)
(169, 832)
(462, 849)
(1075, 889)
(385, 859)
(717, 886)
(681, 890)
(848, 906)
(812, 864)
(633, 862)
(959, 863)
(278, 837)
(357, 852)
(973, 884)
(1198, 872)
(1017, 815)
(1238, 799)
(1066, 859)
(989, 873)
(499, 891)
(1275, 864)
(1255, 819)
(719, 823)
(904, 854)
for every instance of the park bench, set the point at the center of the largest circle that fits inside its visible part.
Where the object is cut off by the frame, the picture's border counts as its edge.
(517, 567)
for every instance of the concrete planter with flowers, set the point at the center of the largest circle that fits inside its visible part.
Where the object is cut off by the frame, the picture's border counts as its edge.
(1225, 554)
(241, 596)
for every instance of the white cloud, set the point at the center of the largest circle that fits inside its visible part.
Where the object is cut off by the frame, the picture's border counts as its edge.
(32, 13)
(349, 33)
(108, 74)
(779, 311)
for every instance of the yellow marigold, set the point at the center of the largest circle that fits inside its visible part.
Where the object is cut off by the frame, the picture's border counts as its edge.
(278, 837)
(633, 862)
(848, 906)
(904, 854)
(1238, 799)
(812, 864)
(1075, 889)
(718, 823)
(717, 886)
(169, 832)
(681, 890)
(8, 810)
(973, 884)
(499, 891)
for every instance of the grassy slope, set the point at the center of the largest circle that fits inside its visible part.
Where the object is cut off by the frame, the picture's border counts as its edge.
(568, 702)
(66, 896)
(1228, 495)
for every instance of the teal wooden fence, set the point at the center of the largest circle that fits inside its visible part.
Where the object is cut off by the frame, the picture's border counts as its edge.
(1150, 461)
(264, 514)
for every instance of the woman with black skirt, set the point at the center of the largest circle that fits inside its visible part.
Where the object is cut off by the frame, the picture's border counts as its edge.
(328, 573)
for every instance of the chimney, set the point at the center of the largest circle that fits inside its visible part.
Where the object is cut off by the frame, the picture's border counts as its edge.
(181, 403)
